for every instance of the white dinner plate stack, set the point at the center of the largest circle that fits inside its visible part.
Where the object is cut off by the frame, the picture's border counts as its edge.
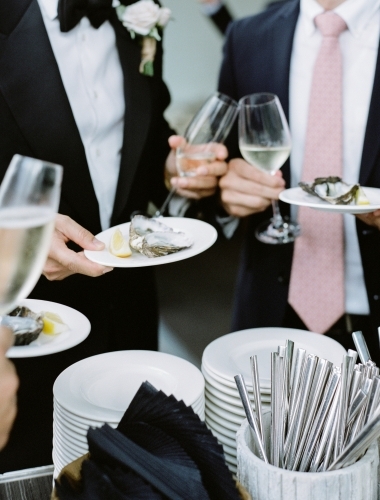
(229, 355)
(98, 390)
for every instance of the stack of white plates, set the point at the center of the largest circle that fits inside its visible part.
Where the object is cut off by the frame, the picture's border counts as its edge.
(229, 355)
(98, 390)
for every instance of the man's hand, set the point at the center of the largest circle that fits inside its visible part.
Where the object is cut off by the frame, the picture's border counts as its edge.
(246, 190)
(372, 219)
(62, 262)
(205, 182)
(8, 387)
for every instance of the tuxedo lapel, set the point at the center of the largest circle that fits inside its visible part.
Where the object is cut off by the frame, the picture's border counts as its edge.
(372, 135)
(31, 84)
(137, 113)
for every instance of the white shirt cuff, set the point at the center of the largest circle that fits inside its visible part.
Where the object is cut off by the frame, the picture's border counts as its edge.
(228, 224)
(178, 206)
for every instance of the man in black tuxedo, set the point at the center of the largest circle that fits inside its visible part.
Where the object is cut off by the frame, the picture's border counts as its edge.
(71, 93)
(275, 52)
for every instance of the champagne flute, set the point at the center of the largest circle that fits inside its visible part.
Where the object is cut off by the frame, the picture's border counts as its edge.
(265, 142)
(209, 126)
(29, 199)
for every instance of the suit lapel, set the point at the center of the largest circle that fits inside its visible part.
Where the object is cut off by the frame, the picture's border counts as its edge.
(32, 86)
(137, 113)
(281, 50)
(372, 135)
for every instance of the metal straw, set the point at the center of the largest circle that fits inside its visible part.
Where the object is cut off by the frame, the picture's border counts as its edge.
(256, 396)
(250, 415)
(361, 346)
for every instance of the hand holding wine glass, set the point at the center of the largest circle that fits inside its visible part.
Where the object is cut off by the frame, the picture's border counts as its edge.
(265, 143)
(199, 155)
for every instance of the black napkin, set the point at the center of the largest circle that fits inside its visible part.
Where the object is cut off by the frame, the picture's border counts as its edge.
(160, 450)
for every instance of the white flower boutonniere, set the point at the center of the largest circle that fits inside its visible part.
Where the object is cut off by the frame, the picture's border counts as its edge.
(144, 19)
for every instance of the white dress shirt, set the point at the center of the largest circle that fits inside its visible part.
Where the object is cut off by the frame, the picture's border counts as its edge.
(92, 77)
(359, 44)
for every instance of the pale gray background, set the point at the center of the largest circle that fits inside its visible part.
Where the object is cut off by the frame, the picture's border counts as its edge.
(196, 294)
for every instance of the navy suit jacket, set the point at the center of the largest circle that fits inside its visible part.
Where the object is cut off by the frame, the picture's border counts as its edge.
(36, 120)
(257, 57)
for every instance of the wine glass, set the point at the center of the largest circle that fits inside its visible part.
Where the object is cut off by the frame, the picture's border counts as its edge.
(265, 142)
(29, 199)
(209, 126)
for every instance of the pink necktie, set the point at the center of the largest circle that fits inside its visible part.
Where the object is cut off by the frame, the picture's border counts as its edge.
(316, 289)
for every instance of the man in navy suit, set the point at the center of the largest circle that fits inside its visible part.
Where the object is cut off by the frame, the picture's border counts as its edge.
(275, 52)
(71, 93)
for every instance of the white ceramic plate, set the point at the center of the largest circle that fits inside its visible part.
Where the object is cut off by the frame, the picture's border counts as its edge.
(228, 385)
(214, 426)
(297, 196)
(204, 236)
(229, 355)
(232, 426)
(79, 328)
(231, 400)
(101, 387)
(224, 439)
(224, 414)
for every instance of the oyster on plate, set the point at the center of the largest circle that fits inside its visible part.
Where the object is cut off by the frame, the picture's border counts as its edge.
(335, 191)
(26, 324)
(155, 239)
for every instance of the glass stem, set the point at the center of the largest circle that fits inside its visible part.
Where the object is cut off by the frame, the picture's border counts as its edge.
(277, 220)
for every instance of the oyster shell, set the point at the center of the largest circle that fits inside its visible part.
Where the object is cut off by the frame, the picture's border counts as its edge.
(155, 239)
(332, 189)
(26, 325)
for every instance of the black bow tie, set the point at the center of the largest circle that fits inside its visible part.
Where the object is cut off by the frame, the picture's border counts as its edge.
(70, 12)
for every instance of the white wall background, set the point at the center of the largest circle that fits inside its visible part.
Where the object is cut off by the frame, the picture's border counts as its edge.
(193, 52)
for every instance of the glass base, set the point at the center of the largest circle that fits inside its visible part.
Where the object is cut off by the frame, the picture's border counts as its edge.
(281, 234)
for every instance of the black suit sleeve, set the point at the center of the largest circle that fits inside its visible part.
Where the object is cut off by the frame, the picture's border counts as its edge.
(222, 19)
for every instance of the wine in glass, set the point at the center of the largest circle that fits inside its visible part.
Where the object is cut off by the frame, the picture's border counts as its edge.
(29, 199)
(209, 126)
(265, 142)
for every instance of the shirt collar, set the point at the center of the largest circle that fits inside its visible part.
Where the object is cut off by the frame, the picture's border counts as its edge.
(50, 8)
(356, 13)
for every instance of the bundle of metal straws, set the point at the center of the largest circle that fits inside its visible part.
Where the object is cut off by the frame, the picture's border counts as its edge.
(323, 417)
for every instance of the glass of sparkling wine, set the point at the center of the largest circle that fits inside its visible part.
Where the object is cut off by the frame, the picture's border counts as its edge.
(29, 199)
(209, 126)
(265, 143)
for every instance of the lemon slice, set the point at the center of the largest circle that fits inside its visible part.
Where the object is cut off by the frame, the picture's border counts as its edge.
(119, 246)
(361, 198)
(53, 324)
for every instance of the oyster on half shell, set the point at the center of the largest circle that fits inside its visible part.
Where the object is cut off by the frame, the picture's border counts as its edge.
(26, 324)
(155, 239)
(332, 189)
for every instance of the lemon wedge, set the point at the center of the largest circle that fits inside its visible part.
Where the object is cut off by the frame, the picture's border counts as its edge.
(53, 324)
(361, 198)
(119, 246)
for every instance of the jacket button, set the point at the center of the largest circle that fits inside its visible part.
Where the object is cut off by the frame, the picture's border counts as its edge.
(280, 279)
(375, 297)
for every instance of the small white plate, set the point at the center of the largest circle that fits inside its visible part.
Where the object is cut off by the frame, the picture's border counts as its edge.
(101, 387)
(297, 196)
(229, 355)
(79, 328)
(204, 236)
